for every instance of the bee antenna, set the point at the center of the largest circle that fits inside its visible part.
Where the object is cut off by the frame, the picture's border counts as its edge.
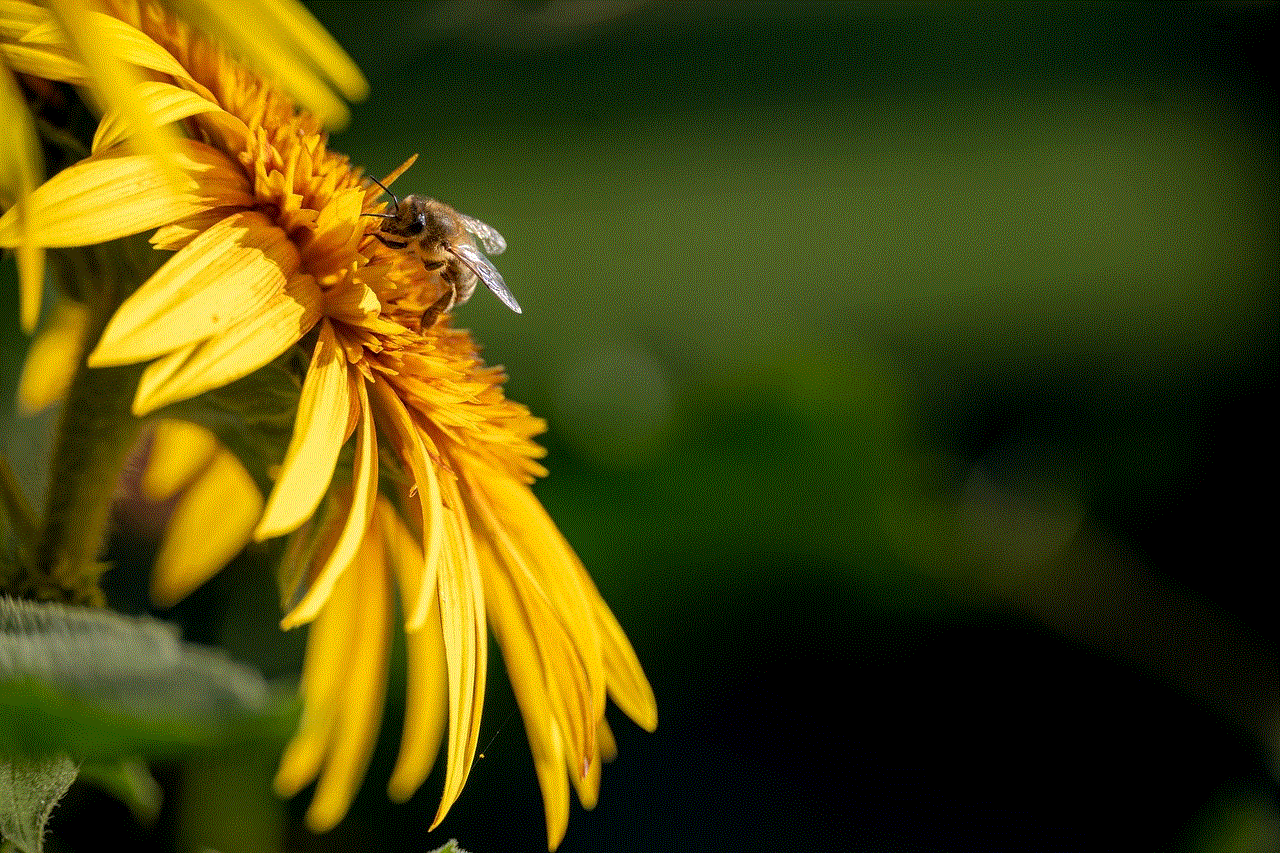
(388, 192)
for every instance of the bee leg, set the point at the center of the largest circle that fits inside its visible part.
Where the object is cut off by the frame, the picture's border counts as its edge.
(390, 244)
(440, 306)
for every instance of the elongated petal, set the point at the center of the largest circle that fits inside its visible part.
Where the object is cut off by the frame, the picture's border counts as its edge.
(194, 550)
(18, 17)
(48, 63)
(112, 52)
(426, 698)
(165, 104)
(179, 451)
(404, 550)
(292, 20)
(364, 487)
(551, 596)
(318, 435)
(286, 44)
(407, 440)
(242, 349)
(227, 273)
(460, 594)
(325, 672)
(21, 168)
(628, 687)
(525, 671)
(115, 194)
(93, 32)
(361, 700)
(54, 357)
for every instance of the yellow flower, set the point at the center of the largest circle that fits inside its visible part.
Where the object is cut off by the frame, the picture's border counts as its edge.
(271, 252)
(71, 41)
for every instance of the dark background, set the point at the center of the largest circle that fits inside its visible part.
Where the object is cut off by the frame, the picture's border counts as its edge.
(906, 368)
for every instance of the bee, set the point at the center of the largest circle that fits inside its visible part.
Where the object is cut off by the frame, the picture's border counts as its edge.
(444, 240)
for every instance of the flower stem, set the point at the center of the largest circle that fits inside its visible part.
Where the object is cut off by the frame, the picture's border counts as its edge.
(96, 432)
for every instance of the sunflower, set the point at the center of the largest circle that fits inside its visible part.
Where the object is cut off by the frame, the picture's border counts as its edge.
(273, 252)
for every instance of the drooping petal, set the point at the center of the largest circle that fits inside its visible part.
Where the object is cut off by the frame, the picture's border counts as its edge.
(229, 272)
(179, 451)
(253, 342)
(628, 687)
(524, 669)
(318, 435)
(404, 550)
(21, 169)
(407, 440)
(53, 357)
(608, 744)
(284, 42)
(44, 61)
(166, 103)
(292, 20)
(114, 194)
(325, 673)
(111, 51)
(17, 18)
(460, 594)
(360, 703)
(364, 486)
(96, 32)
(548, 590)
(426, 686)
(193, 550)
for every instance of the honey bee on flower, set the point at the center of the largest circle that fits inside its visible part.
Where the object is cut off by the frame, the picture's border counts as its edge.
(444, 240)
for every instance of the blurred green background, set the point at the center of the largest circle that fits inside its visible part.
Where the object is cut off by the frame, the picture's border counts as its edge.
(906, 368)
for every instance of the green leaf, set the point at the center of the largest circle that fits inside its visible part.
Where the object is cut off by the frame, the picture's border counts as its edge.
(129, 781)
(29, 789)
(100, 686)
(450, 846)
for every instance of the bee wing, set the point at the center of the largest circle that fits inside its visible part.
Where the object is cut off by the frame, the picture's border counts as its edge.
(489, 236)
(473, 260)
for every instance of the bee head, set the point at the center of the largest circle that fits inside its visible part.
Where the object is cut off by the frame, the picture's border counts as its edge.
(410, 217)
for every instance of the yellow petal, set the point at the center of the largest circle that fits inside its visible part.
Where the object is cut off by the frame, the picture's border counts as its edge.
(193, 549)
(525, 672)
(368, 588)
(95, 32)
(292, 20)
(408, 442)
(114, 194)
(242, 349)
(628, 687)
(417, 589)
(460, 592)
(112, 50)
(165, 104)
(556, 611)
(18, 17)
(179, 234)
(53, 358)
(588, 785)
(47, 63)
(425, 701)
(318, 435)
(397, 172)
(364, 489)
(229, 272)
(179, 451)
(325, 671)
(286, 44)
(21, 169)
